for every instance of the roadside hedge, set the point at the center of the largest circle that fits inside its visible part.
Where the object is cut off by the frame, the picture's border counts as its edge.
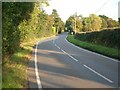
(107, 37)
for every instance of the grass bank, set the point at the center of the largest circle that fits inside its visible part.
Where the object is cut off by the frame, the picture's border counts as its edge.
(111, 52)
(15, 68)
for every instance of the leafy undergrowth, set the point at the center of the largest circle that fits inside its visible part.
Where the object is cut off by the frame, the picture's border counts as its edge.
(15, 68)
(111, 52)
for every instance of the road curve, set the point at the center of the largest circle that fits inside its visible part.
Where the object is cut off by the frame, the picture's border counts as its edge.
(56, 63)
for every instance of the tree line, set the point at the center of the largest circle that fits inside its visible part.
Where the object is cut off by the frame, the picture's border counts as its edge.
(25, 21)
(91, 23)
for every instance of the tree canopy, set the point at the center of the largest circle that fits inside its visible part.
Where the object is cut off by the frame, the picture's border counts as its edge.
(91, 23)
(58, 23)
(25, 21)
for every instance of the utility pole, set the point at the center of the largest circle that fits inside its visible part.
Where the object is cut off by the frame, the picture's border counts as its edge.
(75, 25)
(75, 22)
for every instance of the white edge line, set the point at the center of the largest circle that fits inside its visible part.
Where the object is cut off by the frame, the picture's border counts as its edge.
(91, 51)
(98, 73)
(36, 68)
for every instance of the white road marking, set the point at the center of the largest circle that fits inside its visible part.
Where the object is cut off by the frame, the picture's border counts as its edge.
(86, 66)
(72, 57)
(58, 47)
(98, 73)
(65, 52)
(91, 51)
(36, 69)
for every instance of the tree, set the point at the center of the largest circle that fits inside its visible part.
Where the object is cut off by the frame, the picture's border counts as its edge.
(79, 24)
(110, 22)
(91, 23)
(104, 23)
(86, 24)
(58, 23)
(24, 22)
(95, 22)
(104, 17)
(54, 13)
(70, 23)
(13, 15)
(72, 20)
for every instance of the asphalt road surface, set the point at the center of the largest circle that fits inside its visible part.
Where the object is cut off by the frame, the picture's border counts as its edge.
(56, 63)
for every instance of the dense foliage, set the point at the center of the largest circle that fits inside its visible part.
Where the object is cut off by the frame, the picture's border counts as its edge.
(25, 21)
(58, 23)
(72, 21)
(109, 38)
(13, 15)
(92, 23)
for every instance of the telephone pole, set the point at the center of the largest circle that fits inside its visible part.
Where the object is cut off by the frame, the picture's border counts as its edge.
(75, 22)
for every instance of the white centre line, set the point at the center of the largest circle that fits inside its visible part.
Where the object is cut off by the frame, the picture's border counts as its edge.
(98, 73)
(72, 57)
(65, 52)
(85, 65)
(36, 69)
(58, 47)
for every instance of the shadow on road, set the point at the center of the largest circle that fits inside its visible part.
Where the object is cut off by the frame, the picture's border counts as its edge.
(57, 70)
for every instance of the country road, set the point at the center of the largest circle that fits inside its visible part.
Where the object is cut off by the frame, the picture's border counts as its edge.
(56, 63)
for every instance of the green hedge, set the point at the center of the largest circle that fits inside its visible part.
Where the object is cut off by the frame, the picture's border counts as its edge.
(109, 37)
(111, 52)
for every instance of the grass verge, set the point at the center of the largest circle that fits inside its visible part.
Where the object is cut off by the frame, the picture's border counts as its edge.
(111, 52)
(15, 67)
(14, 70)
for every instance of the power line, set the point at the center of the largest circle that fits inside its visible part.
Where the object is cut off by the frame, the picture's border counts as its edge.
(102, 6)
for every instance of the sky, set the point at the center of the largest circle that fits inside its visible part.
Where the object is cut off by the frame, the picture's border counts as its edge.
(66, 8)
